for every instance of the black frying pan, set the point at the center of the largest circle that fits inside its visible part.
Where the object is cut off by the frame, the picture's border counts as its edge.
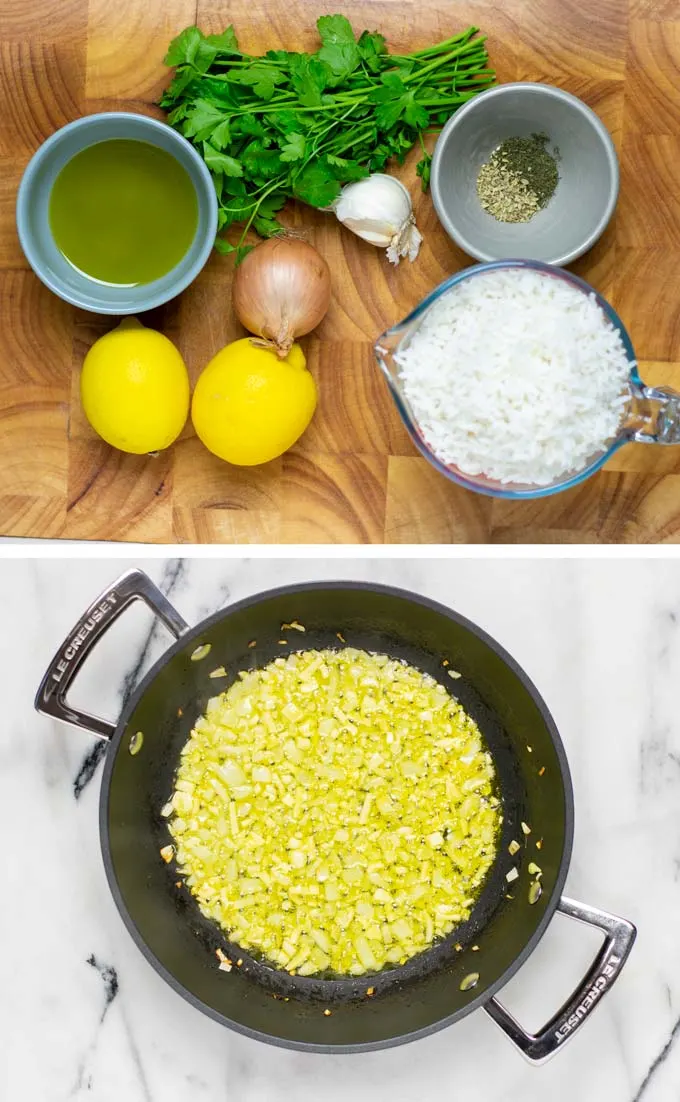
(409, 1001)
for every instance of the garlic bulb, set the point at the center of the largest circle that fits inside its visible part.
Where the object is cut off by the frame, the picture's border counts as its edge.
(378, 209)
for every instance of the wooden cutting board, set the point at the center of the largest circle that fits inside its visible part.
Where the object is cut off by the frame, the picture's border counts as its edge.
(355, 477)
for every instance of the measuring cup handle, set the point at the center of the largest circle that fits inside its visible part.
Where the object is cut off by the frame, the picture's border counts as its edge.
(655, 415)
(134, 585)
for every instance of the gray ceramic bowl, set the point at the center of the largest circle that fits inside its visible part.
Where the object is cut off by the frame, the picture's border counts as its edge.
(585, 196)
(33, 214)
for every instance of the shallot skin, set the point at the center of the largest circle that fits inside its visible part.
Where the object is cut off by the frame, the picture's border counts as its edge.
(281, 291)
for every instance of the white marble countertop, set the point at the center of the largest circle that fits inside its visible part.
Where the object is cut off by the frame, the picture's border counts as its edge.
(84, 1016)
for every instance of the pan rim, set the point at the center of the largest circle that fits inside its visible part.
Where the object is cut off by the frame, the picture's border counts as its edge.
(180, 644)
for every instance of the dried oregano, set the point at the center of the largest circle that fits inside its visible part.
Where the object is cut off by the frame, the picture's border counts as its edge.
(518, 180)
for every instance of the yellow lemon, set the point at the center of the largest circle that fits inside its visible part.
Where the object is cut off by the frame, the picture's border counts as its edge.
(249, 406)
(135, 388)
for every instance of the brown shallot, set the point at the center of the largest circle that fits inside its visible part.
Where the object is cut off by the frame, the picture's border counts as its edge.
(281, 290)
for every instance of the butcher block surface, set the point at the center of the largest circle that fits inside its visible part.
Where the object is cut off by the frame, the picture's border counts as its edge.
(354, 477)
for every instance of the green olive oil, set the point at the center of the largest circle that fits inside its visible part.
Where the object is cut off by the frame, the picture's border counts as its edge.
(123, 212)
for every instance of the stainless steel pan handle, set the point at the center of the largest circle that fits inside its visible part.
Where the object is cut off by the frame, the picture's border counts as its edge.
(619, 938)
(134, 585)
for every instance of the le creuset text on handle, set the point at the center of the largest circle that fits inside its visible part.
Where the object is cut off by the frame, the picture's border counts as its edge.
(619, 938)
(134, 585)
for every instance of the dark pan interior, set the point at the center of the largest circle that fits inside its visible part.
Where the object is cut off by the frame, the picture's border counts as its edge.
(424, 993)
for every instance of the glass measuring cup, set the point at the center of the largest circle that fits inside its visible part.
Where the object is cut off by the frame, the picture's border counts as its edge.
(651, 416)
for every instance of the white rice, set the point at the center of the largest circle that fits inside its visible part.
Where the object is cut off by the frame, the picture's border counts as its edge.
(517, 376)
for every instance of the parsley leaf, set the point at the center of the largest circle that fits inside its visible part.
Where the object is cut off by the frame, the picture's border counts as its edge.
(236, 209)
(290, 121)
(224, 43)
(181, 80)
(267, 227)
(335, 30)
(316, 185)
(423, 169)
(339, 51)
(387, 114)
(221, 135)
(282, 56)
(391, 85)
(231, 185)
(346, 171)
(192, 47)
(341, 60)
(220, 162)
(405, 65)
(414, 113)
(178, 113)
(262, 78)
(260, 162)
(202, 120)
(294, 147)
(218, 92)
(242, 252)
(182, 50)
(379, 157)
(372, 49)
(272, 203)
(205, 55)
(248, 125)
(309, 78)
(394, 101)
(224, 247)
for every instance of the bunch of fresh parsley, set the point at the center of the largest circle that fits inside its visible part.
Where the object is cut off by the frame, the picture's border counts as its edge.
(302, 125)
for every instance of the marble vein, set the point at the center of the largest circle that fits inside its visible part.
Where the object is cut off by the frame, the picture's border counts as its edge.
(110, 979)
(656, 1064)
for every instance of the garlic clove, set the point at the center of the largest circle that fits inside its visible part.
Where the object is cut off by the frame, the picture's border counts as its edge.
(376, 233)
(378, 209)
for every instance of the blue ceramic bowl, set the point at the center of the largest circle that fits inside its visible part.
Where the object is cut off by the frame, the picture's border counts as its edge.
(35, 235)
(585, 196)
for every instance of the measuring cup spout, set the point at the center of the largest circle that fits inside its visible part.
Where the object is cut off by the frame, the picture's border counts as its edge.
(654, 416)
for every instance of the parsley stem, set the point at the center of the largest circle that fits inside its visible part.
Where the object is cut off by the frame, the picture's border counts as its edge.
(420, 73)
(252, 194)
(247, 60)
(336, 122)
(464, 37)
(354, 138)
(274, 186)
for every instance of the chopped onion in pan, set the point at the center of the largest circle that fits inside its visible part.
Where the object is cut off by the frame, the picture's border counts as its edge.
(334, 812)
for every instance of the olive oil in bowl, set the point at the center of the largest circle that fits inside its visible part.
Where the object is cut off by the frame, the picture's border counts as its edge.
(123, 212)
